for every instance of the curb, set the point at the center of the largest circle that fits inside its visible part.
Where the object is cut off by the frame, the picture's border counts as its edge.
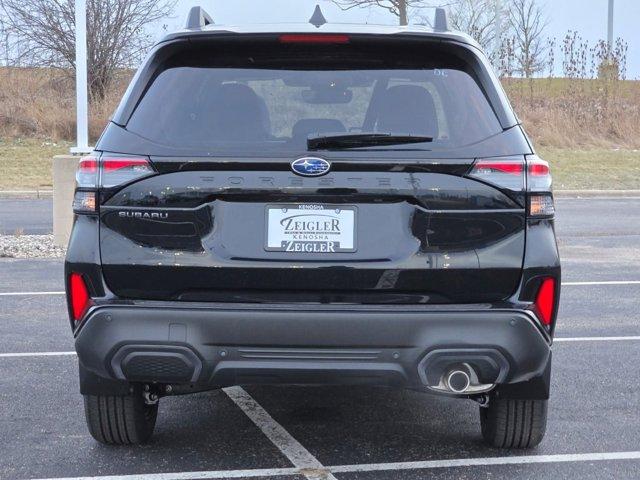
(26, 193)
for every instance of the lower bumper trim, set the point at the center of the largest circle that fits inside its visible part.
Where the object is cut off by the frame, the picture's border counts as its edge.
(219, 347)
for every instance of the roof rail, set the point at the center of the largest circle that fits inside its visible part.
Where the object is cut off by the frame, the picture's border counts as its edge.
(198, 18)
(441, 21)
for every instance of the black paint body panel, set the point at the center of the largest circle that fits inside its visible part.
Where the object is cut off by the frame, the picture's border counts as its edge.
(421, 238)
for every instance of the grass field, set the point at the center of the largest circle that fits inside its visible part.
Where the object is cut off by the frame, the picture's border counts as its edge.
(26, 164)
(557, 88)
(593, 169)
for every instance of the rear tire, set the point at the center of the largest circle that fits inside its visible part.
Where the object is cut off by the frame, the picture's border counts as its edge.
(120, 420)
(508, 423)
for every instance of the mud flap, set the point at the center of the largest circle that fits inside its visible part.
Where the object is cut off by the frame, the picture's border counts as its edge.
(537, 388)
(92, 384)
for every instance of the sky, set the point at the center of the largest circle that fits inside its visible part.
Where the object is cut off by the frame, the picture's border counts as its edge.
(587, 17)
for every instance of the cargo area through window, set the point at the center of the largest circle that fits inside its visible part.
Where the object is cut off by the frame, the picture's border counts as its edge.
(273, 102)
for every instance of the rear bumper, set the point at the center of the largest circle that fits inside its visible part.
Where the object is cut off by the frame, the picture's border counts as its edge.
(220, 345)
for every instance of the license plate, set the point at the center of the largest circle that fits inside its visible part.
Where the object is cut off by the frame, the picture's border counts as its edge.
(311, 228)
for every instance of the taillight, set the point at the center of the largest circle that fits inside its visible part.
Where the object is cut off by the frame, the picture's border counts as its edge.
(84, 202)
(541, 205)
(118, 171)
(505, 172)
(546, 300)
(106, 171)
(539, 188)
(538, 175)
(517, 174)
(87, 177)
(87, 172)
(314, 38)
(79, 298)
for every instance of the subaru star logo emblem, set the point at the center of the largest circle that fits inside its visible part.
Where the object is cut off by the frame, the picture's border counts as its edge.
(310, 166)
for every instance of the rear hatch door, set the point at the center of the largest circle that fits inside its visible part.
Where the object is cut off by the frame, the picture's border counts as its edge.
(227, 216)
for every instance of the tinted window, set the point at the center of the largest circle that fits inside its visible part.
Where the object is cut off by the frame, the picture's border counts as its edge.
(252, 101)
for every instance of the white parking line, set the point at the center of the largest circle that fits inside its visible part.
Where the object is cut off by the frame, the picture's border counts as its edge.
(299, 456)
(327, 472)
(564, 284)
(37, 354)
(26, 294)
(213, 474)
(596, 339)
(478, 462)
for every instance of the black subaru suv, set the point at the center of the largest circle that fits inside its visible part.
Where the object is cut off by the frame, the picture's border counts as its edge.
(314, 204)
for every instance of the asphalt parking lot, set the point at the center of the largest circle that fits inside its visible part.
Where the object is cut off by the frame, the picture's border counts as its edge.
(29, 216)
(334, 432)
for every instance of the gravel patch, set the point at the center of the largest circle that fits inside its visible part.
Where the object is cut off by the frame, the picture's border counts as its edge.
(29, 246)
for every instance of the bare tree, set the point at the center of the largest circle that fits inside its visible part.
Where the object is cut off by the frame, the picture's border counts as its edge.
(399, 8)
(527, 26)
(116, 34)
(478, 18)
(4, 42)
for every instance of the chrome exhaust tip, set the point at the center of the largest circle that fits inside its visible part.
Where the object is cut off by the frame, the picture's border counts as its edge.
(458, 381)
(463, 372)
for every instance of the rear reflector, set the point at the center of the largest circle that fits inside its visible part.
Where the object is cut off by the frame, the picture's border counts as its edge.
(545, 300)
(313, 38)
(79, 296)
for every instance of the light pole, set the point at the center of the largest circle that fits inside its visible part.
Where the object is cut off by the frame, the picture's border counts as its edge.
(82, 109)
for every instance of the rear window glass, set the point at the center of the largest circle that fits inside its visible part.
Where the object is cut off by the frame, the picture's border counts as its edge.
(268, 100)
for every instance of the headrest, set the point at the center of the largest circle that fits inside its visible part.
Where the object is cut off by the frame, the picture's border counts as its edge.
(407, 109)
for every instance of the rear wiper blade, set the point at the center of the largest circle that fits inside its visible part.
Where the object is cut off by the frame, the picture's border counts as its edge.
(360, 140)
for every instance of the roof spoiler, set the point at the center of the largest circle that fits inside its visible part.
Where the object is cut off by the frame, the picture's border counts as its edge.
(198, 18)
